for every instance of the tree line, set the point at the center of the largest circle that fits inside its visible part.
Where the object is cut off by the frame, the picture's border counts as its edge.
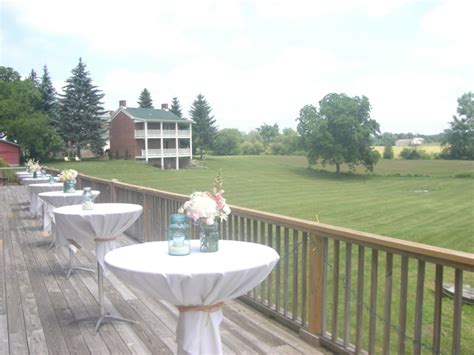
(339, 130)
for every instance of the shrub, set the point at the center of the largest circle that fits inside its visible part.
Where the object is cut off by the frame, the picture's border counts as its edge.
(388, 152)
(413, 154)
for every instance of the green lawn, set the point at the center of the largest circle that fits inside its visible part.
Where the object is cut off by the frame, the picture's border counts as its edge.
(420, 200)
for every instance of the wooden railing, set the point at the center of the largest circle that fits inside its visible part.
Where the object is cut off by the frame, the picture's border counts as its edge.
(351, 291)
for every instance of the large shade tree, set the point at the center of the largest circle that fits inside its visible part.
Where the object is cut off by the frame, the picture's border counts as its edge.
(80, 111)
(459, 139)
(339, 132)
(144, 100)
(22, 119)
(204, 127)
(268, 133)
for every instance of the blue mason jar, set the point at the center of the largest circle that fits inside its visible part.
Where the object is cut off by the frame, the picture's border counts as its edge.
(179, 235)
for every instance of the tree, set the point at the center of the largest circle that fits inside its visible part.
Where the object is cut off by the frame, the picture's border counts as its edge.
(144, 100)
(228, 142)
(388, 152)
(176, 107)
(459, 139)
(204, 127)
(22, 119)
(80, 108)
(33, 77)
(49, 96)
(339, 132)
(268, 133)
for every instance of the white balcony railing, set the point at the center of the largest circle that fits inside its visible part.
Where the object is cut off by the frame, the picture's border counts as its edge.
(167, 133)
(165, 153)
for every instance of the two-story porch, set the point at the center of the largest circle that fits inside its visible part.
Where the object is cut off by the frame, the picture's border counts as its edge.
(157, 136)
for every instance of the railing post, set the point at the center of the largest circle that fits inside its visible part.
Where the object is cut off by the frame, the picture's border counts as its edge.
(113, 194)
(316, 284)
(146, 229)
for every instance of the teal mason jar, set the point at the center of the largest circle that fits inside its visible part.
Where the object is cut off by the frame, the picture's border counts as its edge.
(179, 235)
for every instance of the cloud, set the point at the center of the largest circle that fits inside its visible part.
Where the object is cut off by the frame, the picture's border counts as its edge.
(314, 8)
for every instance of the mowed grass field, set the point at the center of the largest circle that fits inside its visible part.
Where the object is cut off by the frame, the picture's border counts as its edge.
(419, 200)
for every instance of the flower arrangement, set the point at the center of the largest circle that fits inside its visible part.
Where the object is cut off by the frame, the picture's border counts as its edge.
(32, 165)
(205, 207)
(68, 175)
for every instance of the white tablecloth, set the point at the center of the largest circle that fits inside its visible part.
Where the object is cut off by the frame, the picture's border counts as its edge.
(38, 180)
(195, 279)
(24, 174)
(35, 203)
(103, 224)
(58, 199)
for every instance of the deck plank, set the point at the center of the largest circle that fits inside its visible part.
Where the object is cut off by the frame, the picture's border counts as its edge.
(38, 304)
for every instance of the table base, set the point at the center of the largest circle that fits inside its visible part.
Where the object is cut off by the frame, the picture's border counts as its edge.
(102, 317)
(71, 268)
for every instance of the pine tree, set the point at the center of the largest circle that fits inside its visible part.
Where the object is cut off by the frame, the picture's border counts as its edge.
(176, 107)
(144, 100)
(33, 77)
(204, 128)
(80, 110)
(49, 97)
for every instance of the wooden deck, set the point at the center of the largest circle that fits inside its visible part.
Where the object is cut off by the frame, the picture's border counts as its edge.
(38, 303)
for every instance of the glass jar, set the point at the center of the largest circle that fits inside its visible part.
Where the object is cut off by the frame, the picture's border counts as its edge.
(209, 237)
(69, 185)
(179, 235)
(51, 179)
(87, 199)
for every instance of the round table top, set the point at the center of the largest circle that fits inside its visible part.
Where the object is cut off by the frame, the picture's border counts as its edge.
(38, 180)
(61, 198)
(99, 209)
(153, 257)
(46, 184)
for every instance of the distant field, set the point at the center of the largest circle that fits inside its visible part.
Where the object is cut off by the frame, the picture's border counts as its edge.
(415, 200)
(428, 148)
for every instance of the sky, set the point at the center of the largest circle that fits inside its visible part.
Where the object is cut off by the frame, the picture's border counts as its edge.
(256, 62)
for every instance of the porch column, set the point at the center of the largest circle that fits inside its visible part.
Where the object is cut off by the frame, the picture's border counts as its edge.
(177, 145)
(161, 147)
(191, 141)
(146, 141)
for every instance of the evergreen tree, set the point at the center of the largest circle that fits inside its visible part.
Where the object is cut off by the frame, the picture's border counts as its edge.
(176, 107)
(49, 97)
(204, 127)
(33, 77)
(80, 108)
(144, 100)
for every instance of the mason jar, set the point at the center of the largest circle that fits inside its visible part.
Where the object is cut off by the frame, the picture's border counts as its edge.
(179, 235)
(87, 199)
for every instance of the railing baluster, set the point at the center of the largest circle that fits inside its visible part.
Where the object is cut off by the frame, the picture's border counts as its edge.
(304, 277)
(262, 241)
(360, 299)
(242, 229)
(286, 276)
(403, 304)
(347, 294)
(277, 269)
(296, 260)
(458, 286)
(420, 284)
(387, 303)
(335, 291)
(270, 277)
(438, 303)
(373, 301)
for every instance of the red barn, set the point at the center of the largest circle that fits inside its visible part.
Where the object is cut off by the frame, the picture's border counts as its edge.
(10, 152)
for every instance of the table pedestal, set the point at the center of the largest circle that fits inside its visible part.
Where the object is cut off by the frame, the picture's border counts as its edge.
(71, 268)
(102, 317)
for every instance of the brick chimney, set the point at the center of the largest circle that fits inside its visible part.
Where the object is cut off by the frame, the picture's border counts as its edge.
(122, 103)
(164, 107)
